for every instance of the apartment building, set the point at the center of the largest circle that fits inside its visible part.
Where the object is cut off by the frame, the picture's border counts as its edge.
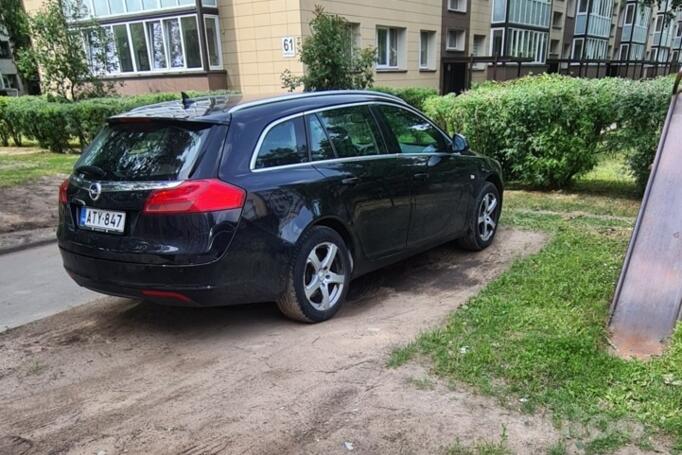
(10, 82)
(245, 45)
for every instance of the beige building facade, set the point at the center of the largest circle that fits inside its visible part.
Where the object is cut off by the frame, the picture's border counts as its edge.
(246, 45)
(256, 35)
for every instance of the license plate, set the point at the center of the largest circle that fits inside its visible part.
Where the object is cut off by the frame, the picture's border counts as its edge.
(102, 220)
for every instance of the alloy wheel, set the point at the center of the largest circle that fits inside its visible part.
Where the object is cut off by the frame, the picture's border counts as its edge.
(487, 217)
(324, 277)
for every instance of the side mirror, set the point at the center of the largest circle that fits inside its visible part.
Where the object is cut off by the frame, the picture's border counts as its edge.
(460, 143)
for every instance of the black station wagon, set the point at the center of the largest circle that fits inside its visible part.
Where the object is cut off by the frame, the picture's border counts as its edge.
(218, 201)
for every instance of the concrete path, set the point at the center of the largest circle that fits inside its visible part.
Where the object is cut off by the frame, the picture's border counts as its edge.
(34, 285)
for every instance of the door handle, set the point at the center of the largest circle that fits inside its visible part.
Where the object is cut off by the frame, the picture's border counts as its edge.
(420, 176)
(350, 180)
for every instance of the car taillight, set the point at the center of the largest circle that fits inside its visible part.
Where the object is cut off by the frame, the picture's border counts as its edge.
(62, 191)
(195, 196)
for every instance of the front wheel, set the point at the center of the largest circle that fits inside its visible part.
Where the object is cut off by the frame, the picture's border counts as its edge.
(318, 277)
(483, 219)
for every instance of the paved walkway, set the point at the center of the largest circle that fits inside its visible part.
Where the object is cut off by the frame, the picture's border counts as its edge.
(33, 285)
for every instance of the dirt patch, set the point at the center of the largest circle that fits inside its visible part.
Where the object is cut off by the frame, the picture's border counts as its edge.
(31, 205)
(121, 376)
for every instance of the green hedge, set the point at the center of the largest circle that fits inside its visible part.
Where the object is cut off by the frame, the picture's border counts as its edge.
(414, 96)
(57, 125)
(545, 130)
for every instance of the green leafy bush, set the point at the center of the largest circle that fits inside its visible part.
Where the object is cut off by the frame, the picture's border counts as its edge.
(546, 130)
(640, 108)
(57, 125)
(414, 96)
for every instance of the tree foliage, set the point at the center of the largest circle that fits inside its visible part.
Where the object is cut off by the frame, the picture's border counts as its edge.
(332, 61)
(58, 52)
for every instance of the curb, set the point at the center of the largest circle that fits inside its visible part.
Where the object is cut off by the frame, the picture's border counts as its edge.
(26, 246)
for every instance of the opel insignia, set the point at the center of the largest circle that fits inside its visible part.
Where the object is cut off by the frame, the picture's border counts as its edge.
(219, 201)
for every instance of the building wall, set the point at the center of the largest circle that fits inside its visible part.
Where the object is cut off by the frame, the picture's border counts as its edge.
(414, 16)
(480, 25)
(252, 33)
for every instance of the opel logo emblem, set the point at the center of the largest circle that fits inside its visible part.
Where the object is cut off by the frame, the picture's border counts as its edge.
(95, 190)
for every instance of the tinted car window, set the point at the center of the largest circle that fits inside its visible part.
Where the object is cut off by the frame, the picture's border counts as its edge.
(146, 151)
(413, 133)
(320, 146)
(352, 131)
(283, 144)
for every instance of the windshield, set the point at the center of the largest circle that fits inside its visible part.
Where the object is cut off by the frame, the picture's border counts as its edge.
(145, 151)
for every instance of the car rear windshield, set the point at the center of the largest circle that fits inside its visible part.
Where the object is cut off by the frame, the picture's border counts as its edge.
(145, 151)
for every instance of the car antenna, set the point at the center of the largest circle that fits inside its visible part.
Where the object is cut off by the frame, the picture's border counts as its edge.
(186, 101)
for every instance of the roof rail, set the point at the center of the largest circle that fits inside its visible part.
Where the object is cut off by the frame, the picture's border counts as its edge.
(276, 99)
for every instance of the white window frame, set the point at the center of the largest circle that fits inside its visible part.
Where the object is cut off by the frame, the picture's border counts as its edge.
(91, 9)
(399, 47)
(621, 49)
(430, 49)
(151, 69)
(633, 19)
(582, 49)
(457, 47)
(461, 9)
(492, 40)
(216, 18)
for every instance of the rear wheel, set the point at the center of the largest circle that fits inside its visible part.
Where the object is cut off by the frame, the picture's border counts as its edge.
(483, 219)
(318, 278)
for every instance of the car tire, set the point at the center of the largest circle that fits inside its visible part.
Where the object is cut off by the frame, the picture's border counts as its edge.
(317, 284)
(483, 219)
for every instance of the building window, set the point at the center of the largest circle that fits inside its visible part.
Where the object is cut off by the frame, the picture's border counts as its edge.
(5, 49)
(479, 50)
(534, 13)
(210, 3)
(215, 57)
(577, 53)
(168, 44)
(527, 44)
(630, 13)
(457, 5)
(427, 41)
(554, 48)
(499, 10)
(497, 42)
(455, 40)
(557, 19)
(103, 8)
(388, 47)
(582, 6)
(659, 23)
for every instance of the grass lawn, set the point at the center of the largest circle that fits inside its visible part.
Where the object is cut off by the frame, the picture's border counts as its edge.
(536, 337)
(23, 164)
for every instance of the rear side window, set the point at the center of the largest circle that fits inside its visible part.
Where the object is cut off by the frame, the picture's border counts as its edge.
(320, 146)
(412, 132)
(352, 131)
(283, 144)
(146, 151)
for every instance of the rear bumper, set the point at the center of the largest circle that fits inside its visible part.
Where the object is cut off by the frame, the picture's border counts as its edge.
(191, 285)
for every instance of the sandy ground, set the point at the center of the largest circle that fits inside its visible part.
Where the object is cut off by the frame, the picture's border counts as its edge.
(30, 205)
(120, 376)
(28, 214)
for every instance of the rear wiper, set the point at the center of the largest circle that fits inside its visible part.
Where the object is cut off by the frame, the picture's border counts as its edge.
(93, 171)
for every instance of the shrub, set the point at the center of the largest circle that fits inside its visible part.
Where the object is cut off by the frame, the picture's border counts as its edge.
(641, 109)
(56, 125)
(545, 130)
(414, 96)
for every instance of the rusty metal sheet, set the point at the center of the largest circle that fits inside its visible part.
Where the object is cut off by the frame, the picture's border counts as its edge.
(646, 304)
